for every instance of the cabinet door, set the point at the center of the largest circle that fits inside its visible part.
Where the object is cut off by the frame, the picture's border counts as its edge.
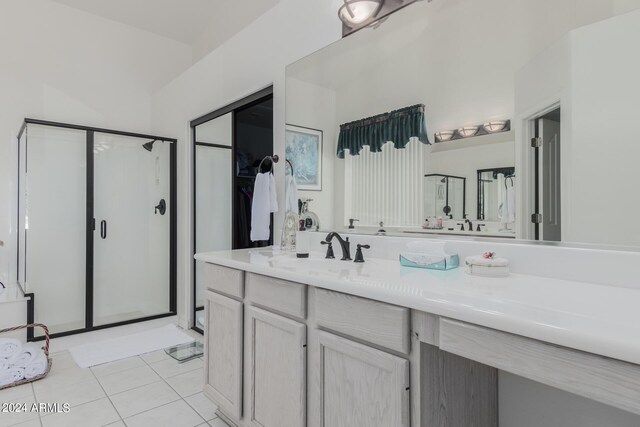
(276, 370)
(352, 385)
(223, 353)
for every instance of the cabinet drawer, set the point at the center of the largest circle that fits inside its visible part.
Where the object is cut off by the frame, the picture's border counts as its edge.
(280, 295)
(376, 322)
(225, 280)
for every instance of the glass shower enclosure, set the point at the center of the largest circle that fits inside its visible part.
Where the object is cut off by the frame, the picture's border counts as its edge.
(96, 226)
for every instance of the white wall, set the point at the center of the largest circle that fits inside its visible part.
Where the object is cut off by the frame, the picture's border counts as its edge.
(61, 64)
(251, 60)
(319, 114)
(605, 90)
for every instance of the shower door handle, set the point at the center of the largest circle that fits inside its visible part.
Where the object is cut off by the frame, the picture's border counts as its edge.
(103, 229)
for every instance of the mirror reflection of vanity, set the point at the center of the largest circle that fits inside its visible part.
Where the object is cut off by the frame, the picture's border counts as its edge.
(568, 94)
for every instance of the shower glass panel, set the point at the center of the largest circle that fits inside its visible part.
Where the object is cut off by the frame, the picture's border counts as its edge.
(213, 198)
(444, 196)
(132, 228)
(52, 224)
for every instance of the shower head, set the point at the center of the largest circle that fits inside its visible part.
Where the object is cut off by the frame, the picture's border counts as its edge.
(149, 145)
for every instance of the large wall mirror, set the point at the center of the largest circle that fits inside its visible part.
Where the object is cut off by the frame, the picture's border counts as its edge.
(449, 116)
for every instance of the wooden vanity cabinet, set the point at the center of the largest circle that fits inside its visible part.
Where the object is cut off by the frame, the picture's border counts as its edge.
(353, 385)
(284, 354)
(223, 351)
(276, 370)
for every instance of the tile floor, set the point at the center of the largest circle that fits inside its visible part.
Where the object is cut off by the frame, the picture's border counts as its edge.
(148, 390)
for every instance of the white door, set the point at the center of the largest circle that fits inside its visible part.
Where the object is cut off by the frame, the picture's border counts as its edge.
(549, 180)
(223, 352)
(276, 370)
(352, 385)
(132, 237)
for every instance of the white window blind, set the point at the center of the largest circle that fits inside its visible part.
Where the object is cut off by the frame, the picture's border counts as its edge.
(387, 186)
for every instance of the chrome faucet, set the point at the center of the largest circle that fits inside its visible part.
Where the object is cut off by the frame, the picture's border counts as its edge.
(344, 244)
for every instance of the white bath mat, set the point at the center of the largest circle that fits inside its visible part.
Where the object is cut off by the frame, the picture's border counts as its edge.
(114, 349)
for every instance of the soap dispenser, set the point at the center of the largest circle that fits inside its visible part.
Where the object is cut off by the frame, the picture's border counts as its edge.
(302, 241)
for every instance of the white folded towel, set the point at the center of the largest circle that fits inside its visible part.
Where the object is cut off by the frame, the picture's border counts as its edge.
(28, 354)
(9, 348)
(37, 366)
(11, 375)
(4, 365)
(290, 194)
(264, 202)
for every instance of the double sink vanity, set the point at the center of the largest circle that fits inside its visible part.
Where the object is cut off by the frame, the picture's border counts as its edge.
(322, 342)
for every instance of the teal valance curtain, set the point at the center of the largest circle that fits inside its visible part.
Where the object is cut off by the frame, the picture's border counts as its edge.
(396, 126)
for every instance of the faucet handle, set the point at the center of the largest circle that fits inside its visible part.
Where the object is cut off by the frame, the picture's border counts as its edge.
(480, 225)
(359, 258)
(330, 254)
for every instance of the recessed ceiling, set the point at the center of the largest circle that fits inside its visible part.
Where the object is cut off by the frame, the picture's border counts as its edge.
(181, 20)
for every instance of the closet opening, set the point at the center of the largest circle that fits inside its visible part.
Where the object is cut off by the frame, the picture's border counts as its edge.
(229, 145)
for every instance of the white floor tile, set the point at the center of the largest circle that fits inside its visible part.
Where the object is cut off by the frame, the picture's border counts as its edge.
(19, 414)
(189, 383)
(74, 394)
(155, 356)
(116, 424)
(170, 368)
(218, 423)
(176, 414)
(93, 414)
(127, 380)
(142, 399)
(9, 394)
(31, 423)
(64, 372)
(117, 366)
(203, 406)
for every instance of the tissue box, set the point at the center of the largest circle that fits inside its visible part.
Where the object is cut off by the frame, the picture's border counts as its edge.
(428, 261)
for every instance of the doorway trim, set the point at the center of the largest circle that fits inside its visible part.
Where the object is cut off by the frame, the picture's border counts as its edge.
(525, 162)
(240, 104)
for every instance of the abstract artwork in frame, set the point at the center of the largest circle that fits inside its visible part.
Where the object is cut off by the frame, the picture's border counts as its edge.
(303, 149)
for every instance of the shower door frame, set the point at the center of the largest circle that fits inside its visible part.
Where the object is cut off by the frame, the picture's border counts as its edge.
(90, 228)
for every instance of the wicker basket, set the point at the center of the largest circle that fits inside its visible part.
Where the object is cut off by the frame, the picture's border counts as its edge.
(46, 353)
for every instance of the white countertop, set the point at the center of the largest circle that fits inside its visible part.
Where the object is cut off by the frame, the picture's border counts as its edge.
(598, 319)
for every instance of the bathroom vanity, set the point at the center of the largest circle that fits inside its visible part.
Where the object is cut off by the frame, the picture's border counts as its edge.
(317, 342)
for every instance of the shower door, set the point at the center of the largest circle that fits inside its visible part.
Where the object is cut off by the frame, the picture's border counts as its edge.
(96, 225)
(131, 237)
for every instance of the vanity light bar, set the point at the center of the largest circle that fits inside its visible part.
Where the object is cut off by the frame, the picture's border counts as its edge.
(488, 128)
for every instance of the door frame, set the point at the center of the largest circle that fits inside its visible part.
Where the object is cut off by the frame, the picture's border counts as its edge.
(526, 163)
(253, 99)
(90, 227)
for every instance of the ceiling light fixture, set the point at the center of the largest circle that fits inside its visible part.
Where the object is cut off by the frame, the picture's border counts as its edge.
(468, 131)
(354, 12)
(495, 126)
(444, 135)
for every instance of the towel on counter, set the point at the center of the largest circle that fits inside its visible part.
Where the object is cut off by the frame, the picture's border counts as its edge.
(27, 355)
(290, 194)
(265, 201)
(11, 375)
(4, 365)
(37, 366)
(9, 348)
